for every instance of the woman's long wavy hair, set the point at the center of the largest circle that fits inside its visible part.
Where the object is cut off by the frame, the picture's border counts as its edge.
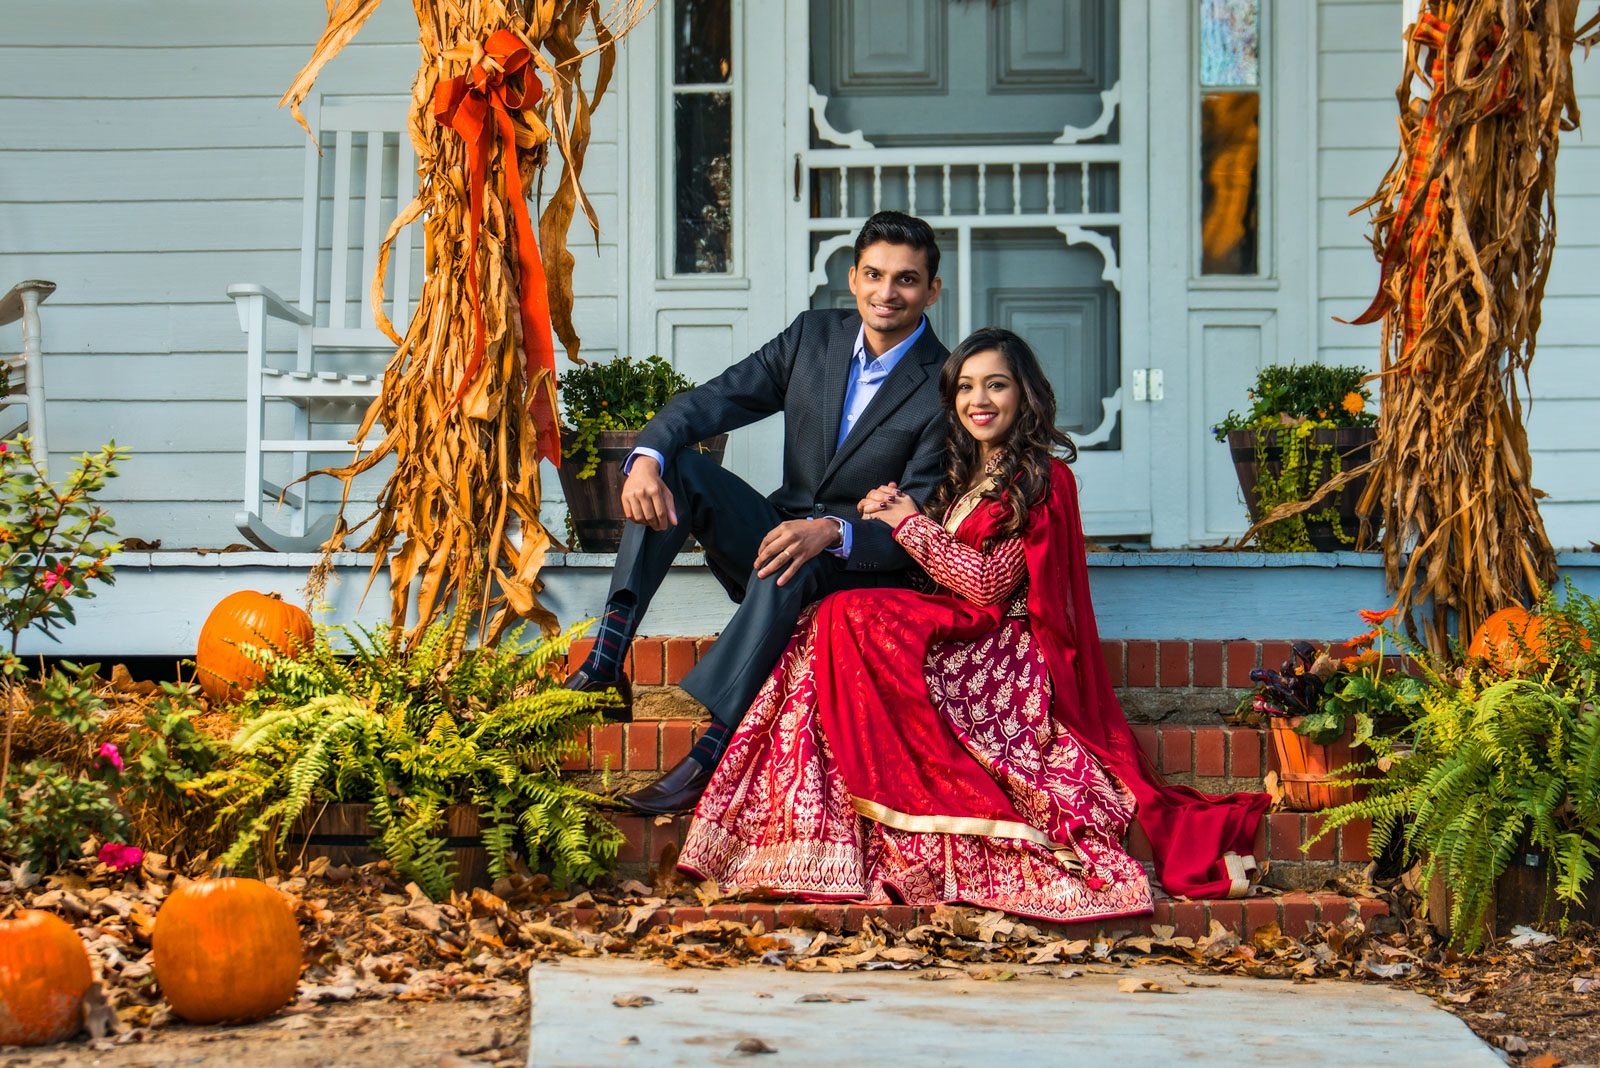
(1022, 476)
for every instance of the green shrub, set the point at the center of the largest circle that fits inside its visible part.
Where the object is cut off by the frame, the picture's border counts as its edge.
(620, 394)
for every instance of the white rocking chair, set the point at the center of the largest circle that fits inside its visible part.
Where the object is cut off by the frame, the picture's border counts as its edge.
(27, 368)
(305, 403)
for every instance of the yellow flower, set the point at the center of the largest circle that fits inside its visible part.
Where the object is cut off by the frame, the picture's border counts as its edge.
(1354, 403)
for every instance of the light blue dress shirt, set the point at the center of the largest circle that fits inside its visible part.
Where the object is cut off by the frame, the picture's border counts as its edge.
(858, 393)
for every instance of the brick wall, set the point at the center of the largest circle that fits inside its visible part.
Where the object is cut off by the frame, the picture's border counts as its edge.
(1133, 664)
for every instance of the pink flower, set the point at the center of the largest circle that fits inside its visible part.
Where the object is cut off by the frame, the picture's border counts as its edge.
(111, 755)
(2, 446)
(120, 857)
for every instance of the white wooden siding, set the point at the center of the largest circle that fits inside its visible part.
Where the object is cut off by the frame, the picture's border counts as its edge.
(144, 166)
(1359, 64)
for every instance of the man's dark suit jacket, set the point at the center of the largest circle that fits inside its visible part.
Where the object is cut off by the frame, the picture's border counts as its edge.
(803, 373)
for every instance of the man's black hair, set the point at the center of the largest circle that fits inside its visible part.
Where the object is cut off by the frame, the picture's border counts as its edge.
(898, 228)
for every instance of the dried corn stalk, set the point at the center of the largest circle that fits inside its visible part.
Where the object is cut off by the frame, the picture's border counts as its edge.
(1464, 228)
(463, 500)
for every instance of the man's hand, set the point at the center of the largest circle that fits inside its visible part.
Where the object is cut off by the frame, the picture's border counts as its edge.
(646, 498)
(789, 546)
(887, 504)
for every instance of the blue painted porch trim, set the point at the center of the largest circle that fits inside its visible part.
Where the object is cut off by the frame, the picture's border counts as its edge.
(160, 599)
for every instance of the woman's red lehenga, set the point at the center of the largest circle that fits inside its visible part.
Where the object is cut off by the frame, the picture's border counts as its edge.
(957, 747)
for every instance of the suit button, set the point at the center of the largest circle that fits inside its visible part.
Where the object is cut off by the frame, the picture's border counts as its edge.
(817, 510)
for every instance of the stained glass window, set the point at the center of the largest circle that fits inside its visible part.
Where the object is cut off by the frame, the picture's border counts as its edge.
(1230, 50)
(702, 132)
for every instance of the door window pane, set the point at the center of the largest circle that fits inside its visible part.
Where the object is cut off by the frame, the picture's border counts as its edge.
(1229, 43)
(703, 172)
(702, 42)
(1230, 134)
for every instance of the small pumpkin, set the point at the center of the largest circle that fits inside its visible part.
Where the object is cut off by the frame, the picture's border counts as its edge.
(1509, 637)
(44, 973)
(263, 620)
(226, 949)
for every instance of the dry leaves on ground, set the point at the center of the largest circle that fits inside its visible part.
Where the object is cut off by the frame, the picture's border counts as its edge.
(368, 936)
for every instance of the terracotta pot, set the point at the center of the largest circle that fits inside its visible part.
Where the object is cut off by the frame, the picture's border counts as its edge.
(595, 503)
(343, 834)
(1353, 445)
(1303, 768)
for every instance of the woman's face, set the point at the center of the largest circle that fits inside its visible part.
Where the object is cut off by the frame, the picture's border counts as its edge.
(988, 399)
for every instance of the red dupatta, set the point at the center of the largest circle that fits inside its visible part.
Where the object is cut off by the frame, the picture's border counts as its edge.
(1198, 839)
(905, 766)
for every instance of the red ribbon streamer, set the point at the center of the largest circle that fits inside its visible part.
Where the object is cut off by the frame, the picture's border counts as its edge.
(475, 105)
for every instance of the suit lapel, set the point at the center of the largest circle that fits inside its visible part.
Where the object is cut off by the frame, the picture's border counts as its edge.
(902, 382)
(836, 379)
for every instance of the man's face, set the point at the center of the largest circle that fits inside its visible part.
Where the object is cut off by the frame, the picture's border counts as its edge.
(892, 287)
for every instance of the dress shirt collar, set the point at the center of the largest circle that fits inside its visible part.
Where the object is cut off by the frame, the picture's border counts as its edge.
(885, 363)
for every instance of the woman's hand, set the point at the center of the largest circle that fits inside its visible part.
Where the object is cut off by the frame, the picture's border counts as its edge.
(888, 505)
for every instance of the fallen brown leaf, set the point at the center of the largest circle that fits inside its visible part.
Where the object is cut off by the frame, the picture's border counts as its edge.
(633, 1001)
(752, 1046)
(1135, 985)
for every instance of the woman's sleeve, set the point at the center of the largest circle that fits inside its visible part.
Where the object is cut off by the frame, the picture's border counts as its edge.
(980, 577)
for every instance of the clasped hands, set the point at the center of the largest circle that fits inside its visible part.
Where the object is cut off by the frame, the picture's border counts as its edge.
(788, 546)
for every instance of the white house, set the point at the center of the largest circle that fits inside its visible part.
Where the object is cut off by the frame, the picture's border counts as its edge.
(1156, 192)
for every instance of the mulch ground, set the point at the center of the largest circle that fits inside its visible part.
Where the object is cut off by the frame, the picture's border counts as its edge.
(402, 979)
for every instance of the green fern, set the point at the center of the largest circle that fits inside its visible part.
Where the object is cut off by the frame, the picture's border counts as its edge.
(357, 717)
(1492, 767)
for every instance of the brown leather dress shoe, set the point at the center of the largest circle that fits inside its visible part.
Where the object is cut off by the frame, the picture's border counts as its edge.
(678, 790)
(623, 713)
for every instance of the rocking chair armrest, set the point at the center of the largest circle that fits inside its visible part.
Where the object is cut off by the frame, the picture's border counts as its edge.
(273, 304)
(12, 306)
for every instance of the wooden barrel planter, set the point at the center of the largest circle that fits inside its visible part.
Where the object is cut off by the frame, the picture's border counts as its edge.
(1304, 768)
(344, 835)
(1353, 446)
(595, 503)
(1525, 895)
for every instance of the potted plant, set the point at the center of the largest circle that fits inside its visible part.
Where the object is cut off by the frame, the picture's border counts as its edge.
(606, 405)
(443, 757)
(1306, 423)
(1493, 784)
(1320, 708)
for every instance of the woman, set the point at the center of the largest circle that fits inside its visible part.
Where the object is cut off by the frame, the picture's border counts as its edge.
(964, 745)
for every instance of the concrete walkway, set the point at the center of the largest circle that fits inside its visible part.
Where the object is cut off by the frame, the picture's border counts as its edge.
(903, 1018)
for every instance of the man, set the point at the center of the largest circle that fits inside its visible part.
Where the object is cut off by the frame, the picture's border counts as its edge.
(859, 395)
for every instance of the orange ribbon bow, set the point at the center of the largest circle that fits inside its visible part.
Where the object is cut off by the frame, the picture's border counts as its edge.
(475, 105)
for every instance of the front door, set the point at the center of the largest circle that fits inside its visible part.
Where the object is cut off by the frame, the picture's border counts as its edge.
(1017, 130)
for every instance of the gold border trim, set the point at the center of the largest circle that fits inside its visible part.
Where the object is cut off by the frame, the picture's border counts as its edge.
(972, 825)
(1238, 872)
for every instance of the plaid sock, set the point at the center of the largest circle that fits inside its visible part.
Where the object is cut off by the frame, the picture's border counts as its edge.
(611, 643)
(710, 746)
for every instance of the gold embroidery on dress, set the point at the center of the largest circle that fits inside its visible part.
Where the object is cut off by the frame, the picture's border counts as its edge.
(966, 504)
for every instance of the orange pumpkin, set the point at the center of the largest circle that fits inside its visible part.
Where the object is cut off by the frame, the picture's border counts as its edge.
(44, 973)
(263, 620)
(1509, 637)
(226, 949)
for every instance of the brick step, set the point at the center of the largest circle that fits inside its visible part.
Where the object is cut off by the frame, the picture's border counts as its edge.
(1136, 663)
(652, 839)
(1296, 914)
(1219, 759)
